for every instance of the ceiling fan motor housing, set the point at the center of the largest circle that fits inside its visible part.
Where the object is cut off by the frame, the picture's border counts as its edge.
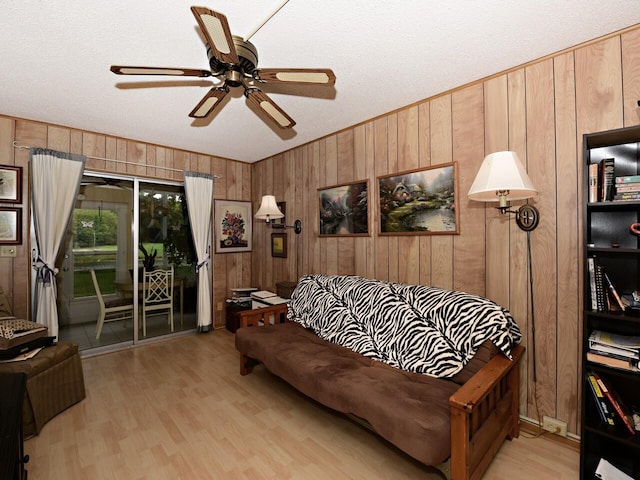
(247, 53)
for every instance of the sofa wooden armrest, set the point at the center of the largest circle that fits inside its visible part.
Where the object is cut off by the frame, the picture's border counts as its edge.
(484, 411)
(252, 318)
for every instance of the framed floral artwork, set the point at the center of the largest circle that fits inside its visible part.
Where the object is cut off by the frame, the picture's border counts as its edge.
(233, 226)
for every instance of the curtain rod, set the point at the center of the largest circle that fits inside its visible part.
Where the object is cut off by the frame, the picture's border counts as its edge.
(24, 147)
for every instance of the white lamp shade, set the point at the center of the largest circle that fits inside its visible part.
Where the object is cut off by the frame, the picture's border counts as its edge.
(268, 209)
(499, 172)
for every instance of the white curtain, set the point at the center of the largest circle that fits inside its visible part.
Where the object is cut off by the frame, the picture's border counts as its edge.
(199, 192)
(55, 180)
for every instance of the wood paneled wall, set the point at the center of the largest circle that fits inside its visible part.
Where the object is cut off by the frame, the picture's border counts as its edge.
(230, 270)
(540, 110)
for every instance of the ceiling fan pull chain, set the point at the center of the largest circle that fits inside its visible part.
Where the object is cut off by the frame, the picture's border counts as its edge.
(276, 10)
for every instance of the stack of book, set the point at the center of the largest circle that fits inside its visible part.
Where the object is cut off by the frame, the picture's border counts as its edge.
(627, 188)
(241, 296)
(620, 351)
(613, 411)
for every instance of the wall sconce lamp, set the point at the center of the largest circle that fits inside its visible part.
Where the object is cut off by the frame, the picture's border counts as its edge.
(269, 211)
(501, 178)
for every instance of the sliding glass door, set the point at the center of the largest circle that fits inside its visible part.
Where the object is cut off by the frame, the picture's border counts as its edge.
(119, 227)
(165, 243)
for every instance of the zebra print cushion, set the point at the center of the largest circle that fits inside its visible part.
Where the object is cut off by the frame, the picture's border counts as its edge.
(412, 327)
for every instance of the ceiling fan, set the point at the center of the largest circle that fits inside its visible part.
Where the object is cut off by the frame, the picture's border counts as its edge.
(105, 182)
(234, 61)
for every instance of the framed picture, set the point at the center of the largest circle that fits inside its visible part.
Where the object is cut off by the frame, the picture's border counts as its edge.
(10, 184)
(420, 202)
(232, 226)
(279, 245)
(10, 226)
(344, 209)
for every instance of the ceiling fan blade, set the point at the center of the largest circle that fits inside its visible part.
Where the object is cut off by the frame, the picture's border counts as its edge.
(301, 76)
(209, 102)
(258, 99)
(178, 72)
(215, 28)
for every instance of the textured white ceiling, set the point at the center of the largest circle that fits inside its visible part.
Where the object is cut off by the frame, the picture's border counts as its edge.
(55, 58)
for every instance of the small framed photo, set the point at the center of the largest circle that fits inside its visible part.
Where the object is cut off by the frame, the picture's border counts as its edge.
(279, 245)
(10, 226)
(233, 226)
(10, 184)
(420, 202)
(344, 209)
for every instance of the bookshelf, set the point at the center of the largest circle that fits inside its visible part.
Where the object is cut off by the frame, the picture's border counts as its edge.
(609, 241)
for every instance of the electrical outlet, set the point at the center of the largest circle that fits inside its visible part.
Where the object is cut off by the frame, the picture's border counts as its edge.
(554, 425)
(7, 251)
(219, 306)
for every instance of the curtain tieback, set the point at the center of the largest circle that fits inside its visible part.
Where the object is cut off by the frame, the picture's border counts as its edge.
(45, 271)
(202, 263)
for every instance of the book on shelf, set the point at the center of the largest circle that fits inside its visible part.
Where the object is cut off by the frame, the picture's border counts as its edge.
(606, 415)
(628, 179)
(616, 351)
(607, 471)
(627, 196)
(612, 351)
(628, 187)
(627, 342)
(593, 182)
(610, 360)
(616, 402)
(591, 267)
(606, 179)
(601, 293)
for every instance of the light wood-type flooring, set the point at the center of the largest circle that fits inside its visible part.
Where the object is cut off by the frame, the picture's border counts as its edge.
(179, 409)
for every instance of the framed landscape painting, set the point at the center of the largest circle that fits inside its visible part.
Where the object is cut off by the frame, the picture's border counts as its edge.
(10, 226)
(232, 226)
(10, 184)
(420, 202)
(344, 209)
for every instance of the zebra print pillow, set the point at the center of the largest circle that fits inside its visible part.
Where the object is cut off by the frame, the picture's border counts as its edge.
(412, 327)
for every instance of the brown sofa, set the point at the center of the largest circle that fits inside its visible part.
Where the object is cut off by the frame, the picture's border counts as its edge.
(465, 418)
